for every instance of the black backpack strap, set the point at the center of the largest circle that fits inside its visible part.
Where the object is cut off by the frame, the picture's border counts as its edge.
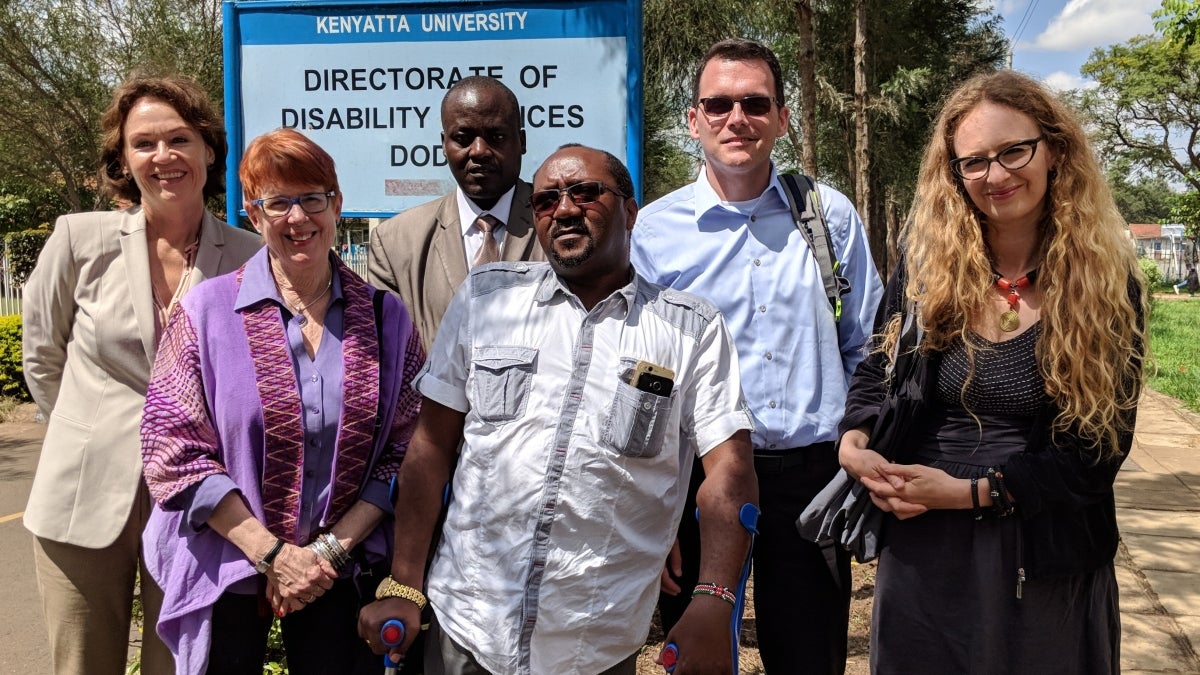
(810, 220)
(377, 304)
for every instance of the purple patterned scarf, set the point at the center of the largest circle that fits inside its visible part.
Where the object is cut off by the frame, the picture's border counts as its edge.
(283, 467)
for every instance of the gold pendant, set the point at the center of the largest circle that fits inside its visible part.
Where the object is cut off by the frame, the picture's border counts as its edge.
(1010, 321)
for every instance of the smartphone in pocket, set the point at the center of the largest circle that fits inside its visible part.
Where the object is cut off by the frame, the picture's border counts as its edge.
(652, 378)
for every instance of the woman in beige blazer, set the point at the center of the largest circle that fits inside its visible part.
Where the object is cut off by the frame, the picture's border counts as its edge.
(94, 308)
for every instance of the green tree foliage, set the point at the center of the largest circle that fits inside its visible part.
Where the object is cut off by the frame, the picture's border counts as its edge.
(1185, 209)
(1179, 20)
(25, 207)
(918, 52)
(676, 36)
(59, 60)
(1148, 200)
(23, 249)
(1146, 107)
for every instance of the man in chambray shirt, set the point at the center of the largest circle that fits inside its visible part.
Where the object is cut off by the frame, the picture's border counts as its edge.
(744, 253)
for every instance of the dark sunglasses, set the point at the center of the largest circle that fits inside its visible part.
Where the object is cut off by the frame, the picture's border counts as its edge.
(544, 202)
(719, 106)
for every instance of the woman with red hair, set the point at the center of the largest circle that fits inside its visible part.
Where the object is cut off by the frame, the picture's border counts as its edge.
(278, 413)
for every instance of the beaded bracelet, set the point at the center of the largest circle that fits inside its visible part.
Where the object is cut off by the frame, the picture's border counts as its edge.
(975, 510)
(717, 591)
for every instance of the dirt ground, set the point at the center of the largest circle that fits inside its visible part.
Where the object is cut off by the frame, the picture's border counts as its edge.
(749, 662)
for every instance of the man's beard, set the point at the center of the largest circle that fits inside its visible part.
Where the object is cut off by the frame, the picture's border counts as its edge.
(580, 257)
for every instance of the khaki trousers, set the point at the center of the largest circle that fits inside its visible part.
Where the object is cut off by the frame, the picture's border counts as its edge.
(87, 597)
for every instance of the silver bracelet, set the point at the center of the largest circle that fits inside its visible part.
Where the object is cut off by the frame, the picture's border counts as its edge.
(327, 546)
(340, 555)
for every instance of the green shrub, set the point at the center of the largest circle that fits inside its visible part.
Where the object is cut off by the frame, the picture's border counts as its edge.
(12, 378)
(23, 249)
(1153, 274)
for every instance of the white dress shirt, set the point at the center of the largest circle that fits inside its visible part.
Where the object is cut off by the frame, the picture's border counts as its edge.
(571, 482)
(469, 212)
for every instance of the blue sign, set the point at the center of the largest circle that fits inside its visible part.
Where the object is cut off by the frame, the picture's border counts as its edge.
(366, 81)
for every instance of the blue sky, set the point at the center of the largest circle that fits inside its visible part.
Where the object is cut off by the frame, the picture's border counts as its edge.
(1058, 35)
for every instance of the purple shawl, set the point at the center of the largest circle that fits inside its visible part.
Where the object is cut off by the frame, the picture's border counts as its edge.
(205, 413)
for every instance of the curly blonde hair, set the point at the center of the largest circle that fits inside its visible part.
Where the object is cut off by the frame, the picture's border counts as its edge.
(1090, 349)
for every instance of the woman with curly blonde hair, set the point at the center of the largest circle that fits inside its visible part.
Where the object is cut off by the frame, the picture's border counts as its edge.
(1015, 328)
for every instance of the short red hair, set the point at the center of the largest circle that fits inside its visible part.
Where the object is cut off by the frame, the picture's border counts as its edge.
(284, 156)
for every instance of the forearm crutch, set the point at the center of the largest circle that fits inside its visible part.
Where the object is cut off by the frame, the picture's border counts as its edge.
(748, 517)
(391, 635)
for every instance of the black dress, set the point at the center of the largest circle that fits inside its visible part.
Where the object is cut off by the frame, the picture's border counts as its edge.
(947, 586)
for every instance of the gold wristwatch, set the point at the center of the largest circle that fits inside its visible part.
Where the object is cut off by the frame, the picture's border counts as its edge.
(390, 588)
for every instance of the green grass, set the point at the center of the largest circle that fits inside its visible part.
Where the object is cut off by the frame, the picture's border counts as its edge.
(1175, 350)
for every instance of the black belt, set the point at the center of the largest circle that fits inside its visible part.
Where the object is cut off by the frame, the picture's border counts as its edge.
(779, 460)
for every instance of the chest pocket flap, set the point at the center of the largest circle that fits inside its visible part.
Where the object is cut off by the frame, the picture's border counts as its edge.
(501, 381)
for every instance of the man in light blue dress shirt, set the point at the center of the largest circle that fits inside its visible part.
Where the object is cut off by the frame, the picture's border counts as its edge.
(730, 237)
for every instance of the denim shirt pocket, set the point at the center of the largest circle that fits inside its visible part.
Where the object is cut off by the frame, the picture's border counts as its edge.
(501, 381)
(637, 421)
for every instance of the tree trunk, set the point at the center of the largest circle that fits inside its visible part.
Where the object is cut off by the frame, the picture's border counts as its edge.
(862, 161)
(807, 58)
(893, 233)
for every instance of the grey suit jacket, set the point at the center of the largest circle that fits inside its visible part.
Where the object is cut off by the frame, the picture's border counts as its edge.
(419, 255)
(88, 346)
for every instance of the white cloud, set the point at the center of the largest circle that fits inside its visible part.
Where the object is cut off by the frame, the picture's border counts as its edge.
(1086, 24)
(1009, 7)
(1063, 81)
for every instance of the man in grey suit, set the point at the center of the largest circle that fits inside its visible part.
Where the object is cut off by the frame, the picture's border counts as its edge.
(423, 254)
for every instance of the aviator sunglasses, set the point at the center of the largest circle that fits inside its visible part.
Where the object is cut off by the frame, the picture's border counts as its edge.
(544, 202)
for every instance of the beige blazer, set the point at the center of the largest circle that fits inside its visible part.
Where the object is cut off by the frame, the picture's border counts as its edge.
(89, 344)
(419, 255)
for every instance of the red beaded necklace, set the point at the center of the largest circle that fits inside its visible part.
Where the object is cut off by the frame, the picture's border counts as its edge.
(1011, 319)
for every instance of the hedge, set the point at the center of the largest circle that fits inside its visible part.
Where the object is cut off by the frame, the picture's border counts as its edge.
(12, 378)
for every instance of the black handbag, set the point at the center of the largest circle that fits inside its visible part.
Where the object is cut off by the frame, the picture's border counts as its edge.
(843, 514)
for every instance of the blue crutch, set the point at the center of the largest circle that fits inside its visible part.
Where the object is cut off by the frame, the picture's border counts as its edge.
(391, 635)
(748, 517)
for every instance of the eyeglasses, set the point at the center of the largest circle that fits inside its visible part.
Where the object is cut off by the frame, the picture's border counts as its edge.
(544, 202)
(1014, 157)
(719, 106)
(280, 206)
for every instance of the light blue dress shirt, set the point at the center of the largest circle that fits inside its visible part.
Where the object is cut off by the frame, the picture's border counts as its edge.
(750, 260)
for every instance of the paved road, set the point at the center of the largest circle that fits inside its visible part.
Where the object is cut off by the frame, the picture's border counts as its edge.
(23, 649)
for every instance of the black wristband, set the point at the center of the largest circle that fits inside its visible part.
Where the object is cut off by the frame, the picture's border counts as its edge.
(1004, 499)
(975, 510)
(1000, 504)
(263, 565)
